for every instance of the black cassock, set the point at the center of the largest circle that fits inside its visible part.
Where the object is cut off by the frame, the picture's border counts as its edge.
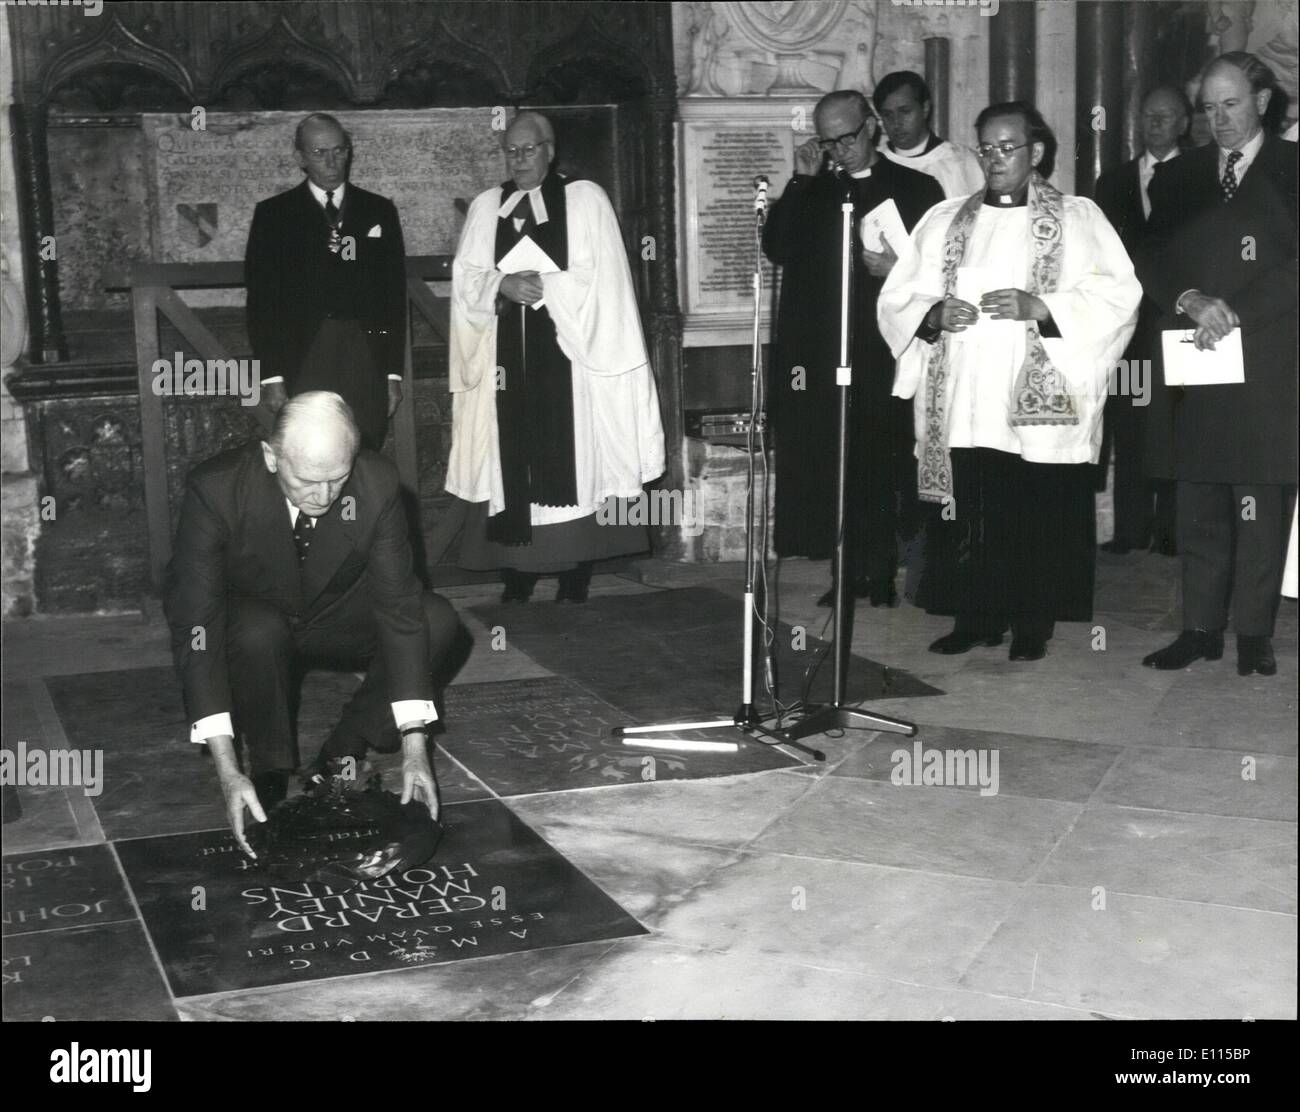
(803, 236)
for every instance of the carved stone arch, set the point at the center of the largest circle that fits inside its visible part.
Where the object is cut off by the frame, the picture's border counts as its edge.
(281, 45)
(444, 72)
(113, 46)
(583, 58)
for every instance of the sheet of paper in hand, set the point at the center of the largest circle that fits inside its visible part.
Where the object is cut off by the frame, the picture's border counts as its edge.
(1185, 365)
(884, 223)
(973, 282)
(524, 256)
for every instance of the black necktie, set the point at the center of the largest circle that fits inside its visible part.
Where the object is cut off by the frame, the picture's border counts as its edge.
(1229, 179)
(302, 531)
(331, 209)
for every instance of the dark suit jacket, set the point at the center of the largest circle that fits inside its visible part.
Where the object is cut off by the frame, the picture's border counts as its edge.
(803, 235)
(1119, 196)
(235, 540)
(293, 279)
(1239, 433)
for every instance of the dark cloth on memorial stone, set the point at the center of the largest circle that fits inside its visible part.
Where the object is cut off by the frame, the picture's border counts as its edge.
(803, 236)
(319, 319)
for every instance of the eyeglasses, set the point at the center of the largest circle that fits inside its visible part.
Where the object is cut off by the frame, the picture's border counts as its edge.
(320, 154)
(526, 151)
(842, 140)
(1006, 150)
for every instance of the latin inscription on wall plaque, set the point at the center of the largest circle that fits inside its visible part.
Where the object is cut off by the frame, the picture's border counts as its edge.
(724, 146)
(207, 183)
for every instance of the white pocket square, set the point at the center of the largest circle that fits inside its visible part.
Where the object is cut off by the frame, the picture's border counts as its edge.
(375, 232)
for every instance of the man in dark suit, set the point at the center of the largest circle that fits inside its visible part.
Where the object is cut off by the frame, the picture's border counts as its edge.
(1221, 255)
(1143, 489)
(325, 270)
(291, 549)
(803, 235)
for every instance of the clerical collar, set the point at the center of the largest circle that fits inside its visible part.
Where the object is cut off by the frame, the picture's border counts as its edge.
(1018, 199)
(931, 141)
(535, 199)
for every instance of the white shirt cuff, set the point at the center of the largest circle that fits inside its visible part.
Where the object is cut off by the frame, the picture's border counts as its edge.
(215, 725)
(394, 378)
(1178, 305)
(273, 378)
(414, 710)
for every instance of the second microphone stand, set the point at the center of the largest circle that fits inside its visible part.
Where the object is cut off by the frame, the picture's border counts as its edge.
(834, 715)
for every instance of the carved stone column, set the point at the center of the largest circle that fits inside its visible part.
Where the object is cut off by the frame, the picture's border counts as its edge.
(665, 313)
(32, 170)
(937, 61)
(1011, 52)
(1139, 49)
(1098, 84)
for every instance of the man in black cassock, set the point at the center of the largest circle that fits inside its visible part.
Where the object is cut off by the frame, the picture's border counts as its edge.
(803, 235)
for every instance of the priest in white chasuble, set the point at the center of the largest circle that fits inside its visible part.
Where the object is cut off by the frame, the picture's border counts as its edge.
(903, 100)
(1007, 321)
(554, 407)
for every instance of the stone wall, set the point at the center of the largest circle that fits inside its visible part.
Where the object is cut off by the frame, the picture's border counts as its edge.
(19, 508)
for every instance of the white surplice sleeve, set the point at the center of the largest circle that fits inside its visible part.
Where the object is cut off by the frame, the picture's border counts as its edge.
(474, 287)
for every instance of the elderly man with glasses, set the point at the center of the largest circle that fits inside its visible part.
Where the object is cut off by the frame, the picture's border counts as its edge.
(555, 414)
(1007, 320)
(803, 235)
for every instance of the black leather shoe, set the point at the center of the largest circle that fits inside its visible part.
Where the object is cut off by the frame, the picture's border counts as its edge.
(1027, 646)
(518, 585)
(1116, 548)
(828, 599)
(883, 594)
(1164, 546)
(1191, 644)
(1255, 654)
(574, 584)
(963, 640)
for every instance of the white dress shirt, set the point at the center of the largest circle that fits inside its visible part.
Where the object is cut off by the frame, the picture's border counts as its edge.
(221, 725)
(1146, 171)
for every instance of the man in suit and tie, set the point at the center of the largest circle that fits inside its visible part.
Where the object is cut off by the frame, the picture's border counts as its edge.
(290, 549)
(1221, 255)
(325, 271)
(1143, 488)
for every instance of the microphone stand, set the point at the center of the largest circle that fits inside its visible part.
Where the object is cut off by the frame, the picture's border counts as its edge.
(746, 718)
(834, 715)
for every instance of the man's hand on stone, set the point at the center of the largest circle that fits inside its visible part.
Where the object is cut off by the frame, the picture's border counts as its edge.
(239, 792)
(524, 288)
(418, 781)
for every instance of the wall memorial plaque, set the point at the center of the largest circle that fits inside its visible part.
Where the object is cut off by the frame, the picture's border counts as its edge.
(723, 145)
(207, 183)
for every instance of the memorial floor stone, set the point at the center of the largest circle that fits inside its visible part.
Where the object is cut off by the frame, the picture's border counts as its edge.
(52, 890)
(493, 887)
(103, 973)
(549, 734)
(675, 654)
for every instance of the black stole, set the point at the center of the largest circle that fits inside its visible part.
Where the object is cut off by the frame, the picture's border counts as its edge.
(535, 399)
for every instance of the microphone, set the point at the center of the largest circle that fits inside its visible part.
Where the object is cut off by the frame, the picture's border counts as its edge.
(760, 194)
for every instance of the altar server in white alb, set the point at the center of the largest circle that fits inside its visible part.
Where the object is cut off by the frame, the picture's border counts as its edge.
(903, 100)
(554, 405)
(1006, 321)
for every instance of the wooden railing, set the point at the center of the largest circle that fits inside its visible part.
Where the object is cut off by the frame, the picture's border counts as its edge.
(153, 289)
